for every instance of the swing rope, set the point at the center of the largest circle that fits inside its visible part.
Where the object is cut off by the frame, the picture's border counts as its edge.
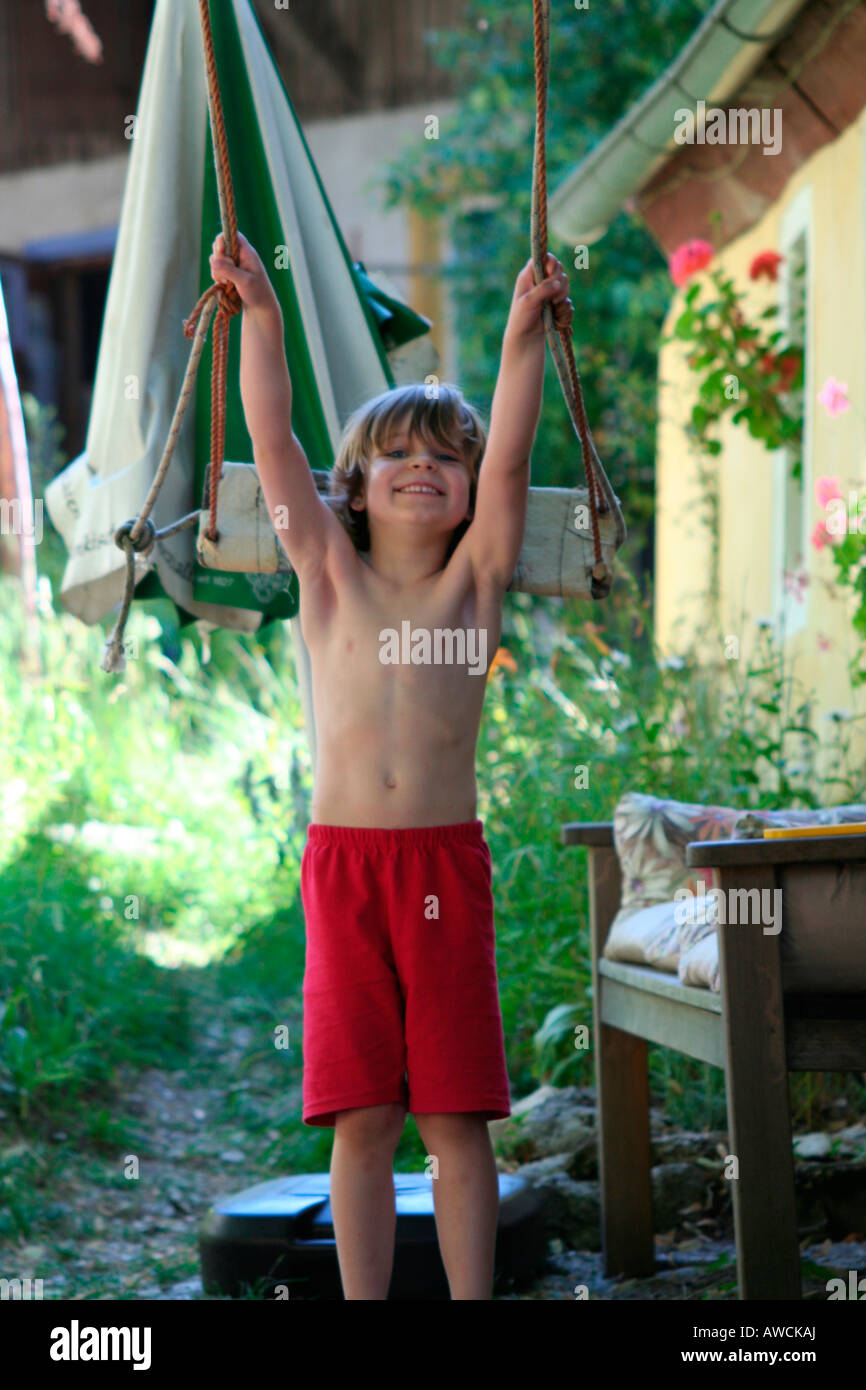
(137, 537)
(228, 298)
(601, 495)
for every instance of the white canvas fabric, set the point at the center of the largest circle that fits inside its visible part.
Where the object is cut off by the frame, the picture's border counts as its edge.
(154, 285)
(143, 351)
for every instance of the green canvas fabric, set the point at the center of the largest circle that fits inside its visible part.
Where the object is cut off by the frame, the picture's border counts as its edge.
(396, 324)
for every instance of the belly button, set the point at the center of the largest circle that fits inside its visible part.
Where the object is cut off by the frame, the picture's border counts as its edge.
(390, 781)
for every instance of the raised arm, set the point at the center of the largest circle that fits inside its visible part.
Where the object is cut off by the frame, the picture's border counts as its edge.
(496, 533)
(304, 522)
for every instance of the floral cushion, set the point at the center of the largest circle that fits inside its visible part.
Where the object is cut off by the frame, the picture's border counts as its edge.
(650, 836)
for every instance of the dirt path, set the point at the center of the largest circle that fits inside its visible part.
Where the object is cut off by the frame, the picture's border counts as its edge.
(105, 1235)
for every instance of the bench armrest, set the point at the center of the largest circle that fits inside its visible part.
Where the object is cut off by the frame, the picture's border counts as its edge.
(585, 832)
(795, 849)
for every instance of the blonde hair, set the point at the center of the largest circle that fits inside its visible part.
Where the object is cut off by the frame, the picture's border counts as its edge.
(439, 414)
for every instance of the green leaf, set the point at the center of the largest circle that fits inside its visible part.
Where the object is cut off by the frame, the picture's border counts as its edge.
(704, 359)
(715, 382)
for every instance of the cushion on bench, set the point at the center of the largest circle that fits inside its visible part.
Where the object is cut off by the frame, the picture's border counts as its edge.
(698, 962)
(823, 942)
(650, 837)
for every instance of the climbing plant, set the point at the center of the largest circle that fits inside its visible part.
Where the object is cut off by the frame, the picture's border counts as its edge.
(743, 370)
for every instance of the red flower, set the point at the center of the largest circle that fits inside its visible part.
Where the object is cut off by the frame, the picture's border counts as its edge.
(688, 259)
(787, 368)
(766, 263)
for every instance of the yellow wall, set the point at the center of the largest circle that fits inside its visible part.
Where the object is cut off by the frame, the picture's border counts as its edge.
(747, 473)
(425, 256)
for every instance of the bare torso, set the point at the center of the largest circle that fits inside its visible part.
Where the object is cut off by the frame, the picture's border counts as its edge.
(396, 742)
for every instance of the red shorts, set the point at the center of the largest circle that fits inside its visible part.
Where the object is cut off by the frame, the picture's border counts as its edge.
(401, 999)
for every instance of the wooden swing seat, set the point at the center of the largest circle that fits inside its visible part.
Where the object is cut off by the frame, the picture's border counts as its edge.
(556, 558)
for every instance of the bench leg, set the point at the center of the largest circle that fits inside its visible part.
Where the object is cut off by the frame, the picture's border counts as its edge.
(622, 1084)
(622, 1091)
(759, 1115)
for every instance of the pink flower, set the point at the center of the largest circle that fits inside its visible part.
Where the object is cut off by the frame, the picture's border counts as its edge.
(795, 583)
(834, 396)
(688, 259)
(824, 643)
(820, 535)
(766, 263)
(825, 490)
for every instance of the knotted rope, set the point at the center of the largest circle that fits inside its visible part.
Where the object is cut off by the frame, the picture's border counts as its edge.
(139, 536)
(601, 495)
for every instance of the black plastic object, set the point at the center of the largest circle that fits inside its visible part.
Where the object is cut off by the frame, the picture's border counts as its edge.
(277, 1240)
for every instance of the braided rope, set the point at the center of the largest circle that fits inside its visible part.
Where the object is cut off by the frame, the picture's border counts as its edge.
(601, 496)
(229, 299)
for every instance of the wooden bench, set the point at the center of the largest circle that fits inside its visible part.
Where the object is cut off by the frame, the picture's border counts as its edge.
(753, 1030)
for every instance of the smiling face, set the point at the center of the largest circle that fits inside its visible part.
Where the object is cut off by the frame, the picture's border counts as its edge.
(416, 481)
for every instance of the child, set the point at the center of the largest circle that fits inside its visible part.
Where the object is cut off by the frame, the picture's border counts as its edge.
(401, 587)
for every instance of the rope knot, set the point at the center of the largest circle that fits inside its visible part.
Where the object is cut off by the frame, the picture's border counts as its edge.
(146, 538)
(228, 301)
